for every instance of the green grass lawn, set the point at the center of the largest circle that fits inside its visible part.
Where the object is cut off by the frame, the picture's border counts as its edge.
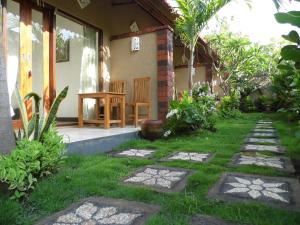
(100, 175)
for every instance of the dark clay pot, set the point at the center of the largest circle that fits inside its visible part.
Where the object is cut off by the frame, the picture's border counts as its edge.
(152, 129)
(4, 188)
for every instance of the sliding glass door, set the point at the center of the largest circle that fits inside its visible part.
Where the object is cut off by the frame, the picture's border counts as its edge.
(76, 65)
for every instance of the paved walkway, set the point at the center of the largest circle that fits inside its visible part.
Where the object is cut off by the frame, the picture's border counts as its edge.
(282, 192)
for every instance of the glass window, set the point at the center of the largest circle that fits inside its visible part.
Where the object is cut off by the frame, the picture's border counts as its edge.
(13, 25)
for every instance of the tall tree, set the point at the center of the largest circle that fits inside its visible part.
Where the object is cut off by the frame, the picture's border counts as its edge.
(7, 142)
(242, 65)
(193, 17)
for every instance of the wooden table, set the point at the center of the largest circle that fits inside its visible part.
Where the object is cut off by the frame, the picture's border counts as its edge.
(107, 96)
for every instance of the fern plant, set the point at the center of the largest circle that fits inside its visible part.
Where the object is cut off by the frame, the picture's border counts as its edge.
(39, 124)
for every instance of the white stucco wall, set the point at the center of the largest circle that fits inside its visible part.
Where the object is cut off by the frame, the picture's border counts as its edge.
(127, 65)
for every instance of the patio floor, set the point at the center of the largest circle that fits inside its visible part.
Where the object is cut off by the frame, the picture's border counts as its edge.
(90, 140)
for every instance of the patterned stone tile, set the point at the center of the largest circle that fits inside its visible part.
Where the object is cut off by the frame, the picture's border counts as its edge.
(258, 130)
(139, 153)
(209, 220)
(189, 156)
(264, 126)
(262, 148)
(264, 122)
(280, 163)
(163, 179)
(277, 191)
(103, 211)
(263, 135)
(271, 141)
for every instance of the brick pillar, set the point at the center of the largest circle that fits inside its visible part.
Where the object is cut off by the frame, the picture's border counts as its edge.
(208, 73)
(165, 70)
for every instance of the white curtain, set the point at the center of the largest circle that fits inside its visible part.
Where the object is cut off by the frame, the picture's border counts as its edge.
(12, 73)
(89, 70)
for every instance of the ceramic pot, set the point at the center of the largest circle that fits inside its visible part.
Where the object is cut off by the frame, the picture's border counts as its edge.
(152, 129)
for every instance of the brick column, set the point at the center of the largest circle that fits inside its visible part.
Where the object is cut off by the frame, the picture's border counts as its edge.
(208, 73)
(165, 70)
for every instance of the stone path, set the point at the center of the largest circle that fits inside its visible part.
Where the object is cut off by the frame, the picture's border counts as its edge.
(277, 162)
(189, 156)
(103, 211)
(163, 179)
(139, 153)
(270, 141)
(263, 148)
(276, 191)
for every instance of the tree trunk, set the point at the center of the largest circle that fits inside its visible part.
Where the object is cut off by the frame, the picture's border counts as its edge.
(191, 71)
(7, 143)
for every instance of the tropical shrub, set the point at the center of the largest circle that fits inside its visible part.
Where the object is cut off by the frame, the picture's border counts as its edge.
(191, 112)
(247, 104)
(230, 105)
(38, 125)
(30, 161)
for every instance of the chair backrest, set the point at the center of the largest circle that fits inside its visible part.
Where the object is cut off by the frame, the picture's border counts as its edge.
(117, 86)
(142, 90)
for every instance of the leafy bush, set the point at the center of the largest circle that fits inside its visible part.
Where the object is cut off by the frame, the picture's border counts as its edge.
(266, 103)
(30, 161)
(229, 106)
(247, 104)
(191, 112)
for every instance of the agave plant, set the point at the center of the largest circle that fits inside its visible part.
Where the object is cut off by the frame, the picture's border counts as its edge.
(39, 124)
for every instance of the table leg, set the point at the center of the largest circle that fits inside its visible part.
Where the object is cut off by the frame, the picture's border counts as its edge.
(123, 111)
(97, 105)
(80, 111)
(107, 112)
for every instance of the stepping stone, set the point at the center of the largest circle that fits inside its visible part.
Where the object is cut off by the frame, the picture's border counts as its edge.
(162, 179)
(272, 141)
(280, 163)
(92, 211)
(261, 148)
(139, 153)
(264, 122)
(209, 220)
(257, 130)
(264, 126)
(276, 191)
(189, 156)
(263, 135)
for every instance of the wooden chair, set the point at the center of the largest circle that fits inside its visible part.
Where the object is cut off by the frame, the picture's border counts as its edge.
(141, 99)
(117, 86)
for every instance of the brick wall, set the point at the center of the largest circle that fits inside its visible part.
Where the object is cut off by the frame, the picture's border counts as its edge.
(165, 70)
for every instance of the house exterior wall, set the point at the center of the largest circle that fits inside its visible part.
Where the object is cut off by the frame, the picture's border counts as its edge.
(182, 77)
(127, 65)
(112, 20)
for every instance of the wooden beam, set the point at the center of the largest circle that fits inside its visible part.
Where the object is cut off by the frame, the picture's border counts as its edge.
(152, 8)
(52, 57)
(46, 61)
(26, 52)
(122, 2)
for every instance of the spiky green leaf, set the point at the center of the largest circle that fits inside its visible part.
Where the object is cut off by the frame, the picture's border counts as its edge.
(53, 111)
(23, 111)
